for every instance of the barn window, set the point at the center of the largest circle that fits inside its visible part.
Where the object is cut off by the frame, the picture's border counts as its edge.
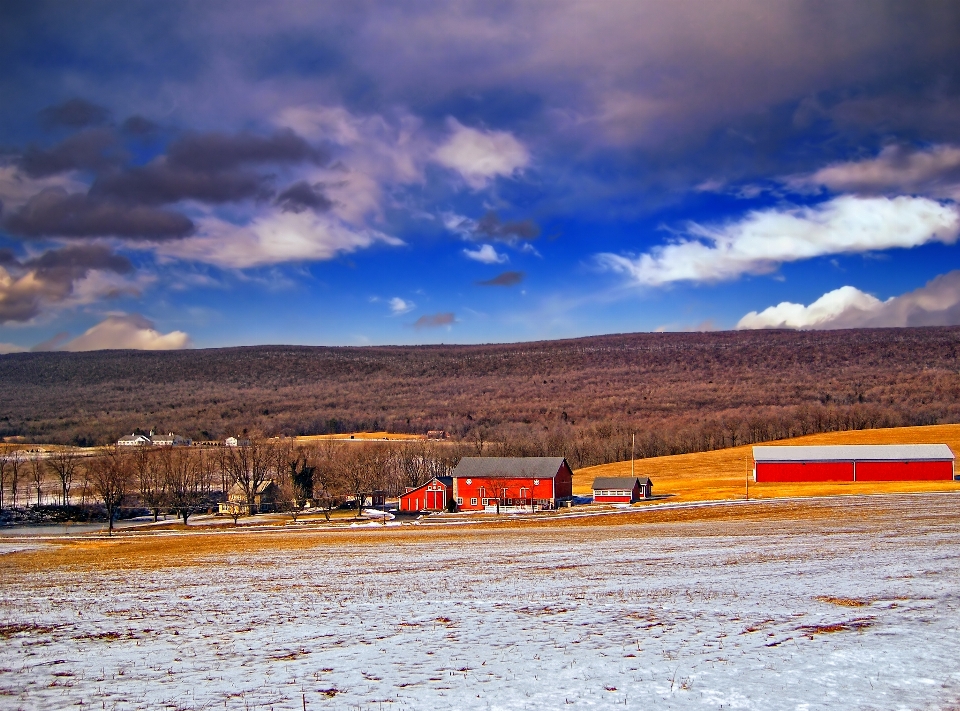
(459, 501)
(473, 501)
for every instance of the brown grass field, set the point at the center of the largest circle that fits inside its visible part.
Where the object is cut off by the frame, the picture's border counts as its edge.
(709, 476)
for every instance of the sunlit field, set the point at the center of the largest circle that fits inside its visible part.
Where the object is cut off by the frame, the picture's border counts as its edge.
(722, 474)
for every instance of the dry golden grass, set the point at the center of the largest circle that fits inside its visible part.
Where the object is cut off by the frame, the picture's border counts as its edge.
(149, 552)
(708, 476)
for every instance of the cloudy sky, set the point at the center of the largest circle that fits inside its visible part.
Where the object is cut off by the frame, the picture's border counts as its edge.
(338, 173)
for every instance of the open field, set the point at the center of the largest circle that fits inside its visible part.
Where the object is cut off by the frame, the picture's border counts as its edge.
(706, 476)
(846, 603)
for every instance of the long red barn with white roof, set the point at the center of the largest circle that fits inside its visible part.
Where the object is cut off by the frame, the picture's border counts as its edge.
(854, 462)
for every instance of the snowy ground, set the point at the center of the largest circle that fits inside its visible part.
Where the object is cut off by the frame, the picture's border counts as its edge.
(857, 611)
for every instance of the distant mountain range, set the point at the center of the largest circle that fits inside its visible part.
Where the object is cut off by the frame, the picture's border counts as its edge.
(780, 380)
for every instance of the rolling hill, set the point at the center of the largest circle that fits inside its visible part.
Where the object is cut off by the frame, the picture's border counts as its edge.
(681, 391)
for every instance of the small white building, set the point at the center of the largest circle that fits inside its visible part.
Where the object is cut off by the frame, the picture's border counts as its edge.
(134, 440)
(236, 442)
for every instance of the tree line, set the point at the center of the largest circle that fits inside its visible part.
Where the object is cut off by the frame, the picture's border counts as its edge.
(186, 480)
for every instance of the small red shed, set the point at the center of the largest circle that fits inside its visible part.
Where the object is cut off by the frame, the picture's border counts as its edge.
(511, 484)
(621, 489)
(854, 462)
(431, 496)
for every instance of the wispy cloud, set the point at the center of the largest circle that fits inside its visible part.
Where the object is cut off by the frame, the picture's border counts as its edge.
(504, 279)
(765, 239)
(486, 254)
(401, 306)
(932, 172)
(479, 156)
(435, 320)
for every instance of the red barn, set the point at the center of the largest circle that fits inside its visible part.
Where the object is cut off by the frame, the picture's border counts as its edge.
(511, 483)
(431, 496)
(854, 462)
(621, 489)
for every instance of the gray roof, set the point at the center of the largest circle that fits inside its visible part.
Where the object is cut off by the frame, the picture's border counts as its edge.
(854, 452)
(525, 467)
(619, 482)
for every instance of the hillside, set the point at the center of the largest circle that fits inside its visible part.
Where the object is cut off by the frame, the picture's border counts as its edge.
(707, 476)
(682, 391)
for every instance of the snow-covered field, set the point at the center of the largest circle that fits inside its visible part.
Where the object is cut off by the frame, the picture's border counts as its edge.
(856, 608)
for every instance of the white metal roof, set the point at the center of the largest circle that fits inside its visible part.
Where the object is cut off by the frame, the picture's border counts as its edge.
(853, 452)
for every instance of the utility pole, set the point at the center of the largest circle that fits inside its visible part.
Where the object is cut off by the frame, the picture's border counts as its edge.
(746, 474)
(633, 447)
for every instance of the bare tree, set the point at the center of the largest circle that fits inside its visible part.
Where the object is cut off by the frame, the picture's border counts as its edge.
(249, 466)
(356, 471)
(150, 480)
(499, 486)
(110, 476)
(295, 480)
(4, 466)
(38, 476)
(16, 459)
(328, 479)
(187, 479)
(64, 464)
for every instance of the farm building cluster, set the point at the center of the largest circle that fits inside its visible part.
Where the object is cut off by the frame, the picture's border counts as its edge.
(513, 485)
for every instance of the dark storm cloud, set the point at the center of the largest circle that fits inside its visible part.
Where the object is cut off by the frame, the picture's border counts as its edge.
(75, 113)
(303, 196)
(77, 260)
(93, 149)
(504, 279)
(139, 126)
(50, 278)
(212, 168)
(491, 227)
(56, 213)
(219, 152)
(162, 182)
(434, 320)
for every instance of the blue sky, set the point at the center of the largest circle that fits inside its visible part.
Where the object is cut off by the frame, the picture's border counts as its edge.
(233, 173)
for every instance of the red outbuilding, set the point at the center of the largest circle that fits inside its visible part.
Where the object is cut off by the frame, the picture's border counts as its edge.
(621, 489)
(511, 484)
(854, 462)
(431, 496)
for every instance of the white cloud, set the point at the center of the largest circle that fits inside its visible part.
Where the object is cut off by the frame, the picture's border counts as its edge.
(935, 304)
(481, 156)
(933, 172)
(401, 306)
(822, 311)
(11, 348)
(765, 239)
(273, 238)
(127, 331)
(486, 254)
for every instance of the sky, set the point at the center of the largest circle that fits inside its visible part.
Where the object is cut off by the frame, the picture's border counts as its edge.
(185, 174)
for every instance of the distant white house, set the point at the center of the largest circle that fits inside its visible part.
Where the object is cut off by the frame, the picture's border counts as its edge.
(236, 442)
(170, 440)
(134, 440)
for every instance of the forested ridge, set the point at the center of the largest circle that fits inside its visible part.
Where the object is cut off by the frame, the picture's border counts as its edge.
(678, 391)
